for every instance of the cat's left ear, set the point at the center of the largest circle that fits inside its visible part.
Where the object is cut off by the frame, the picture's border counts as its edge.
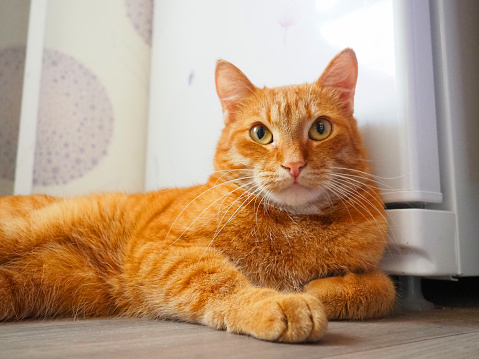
(342, 75)
(232, 87)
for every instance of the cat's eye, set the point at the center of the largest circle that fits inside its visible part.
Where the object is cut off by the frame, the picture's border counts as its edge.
(261, 134)
(320, 129)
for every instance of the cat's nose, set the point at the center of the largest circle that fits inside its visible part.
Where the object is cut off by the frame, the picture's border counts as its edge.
(294, 168)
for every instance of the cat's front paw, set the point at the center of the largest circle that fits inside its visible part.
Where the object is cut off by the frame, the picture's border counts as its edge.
(355, 296)
(293, 318)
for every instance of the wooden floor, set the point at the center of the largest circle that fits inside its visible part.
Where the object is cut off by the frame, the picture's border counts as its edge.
(439, 333)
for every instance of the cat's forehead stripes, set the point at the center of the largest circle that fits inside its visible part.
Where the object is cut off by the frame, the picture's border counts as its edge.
(287, 108)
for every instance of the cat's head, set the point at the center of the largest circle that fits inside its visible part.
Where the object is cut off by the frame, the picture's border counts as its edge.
(289, 144)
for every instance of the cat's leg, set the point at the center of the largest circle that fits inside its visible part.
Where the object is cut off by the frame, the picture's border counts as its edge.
(355, 296)
(202, 286)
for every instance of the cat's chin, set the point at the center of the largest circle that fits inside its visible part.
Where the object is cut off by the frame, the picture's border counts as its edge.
(298, 199)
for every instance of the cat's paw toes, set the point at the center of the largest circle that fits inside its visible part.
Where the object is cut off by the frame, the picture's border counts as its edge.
(290, 318)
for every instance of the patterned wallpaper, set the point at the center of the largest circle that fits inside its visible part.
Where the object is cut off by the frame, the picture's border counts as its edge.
(141, 15)
(93, 108)
(75, 121)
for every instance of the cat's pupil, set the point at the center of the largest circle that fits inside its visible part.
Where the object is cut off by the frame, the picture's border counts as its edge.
(320, 127)
(260, 132)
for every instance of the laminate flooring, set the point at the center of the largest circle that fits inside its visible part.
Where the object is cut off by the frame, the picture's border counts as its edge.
(438, 333)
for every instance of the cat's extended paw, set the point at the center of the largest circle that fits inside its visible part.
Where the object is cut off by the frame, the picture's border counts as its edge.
(290, 318)
(355, 296)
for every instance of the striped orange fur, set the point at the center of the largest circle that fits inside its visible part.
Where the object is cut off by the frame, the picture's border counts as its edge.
(286, 233)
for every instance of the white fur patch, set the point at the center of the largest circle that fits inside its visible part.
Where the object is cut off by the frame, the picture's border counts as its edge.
(299, 199)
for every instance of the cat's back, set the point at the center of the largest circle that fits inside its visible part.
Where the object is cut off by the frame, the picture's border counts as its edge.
(93, 222)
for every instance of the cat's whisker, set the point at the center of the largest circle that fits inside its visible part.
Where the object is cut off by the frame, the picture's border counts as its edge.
(329, 199)
(241, 207)
(231, 205)
(261, 203)
(201, 194)
(263, 199)
(351, 191)
(227, 172)
(224, 199)
(367, 176)
(248, 195)
(219, 178)
(234, 169)
(391, 235)
(356, 185)
(362, 180)
(347, 191)
(345, 196)
(197, 217)
(269, 199)
(354, 197)
(380, 186)
(385, 189)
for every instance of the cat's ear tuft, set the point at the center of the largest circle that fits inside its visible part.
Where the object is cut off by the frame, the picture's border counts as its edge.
(232, 87)
(342, 75)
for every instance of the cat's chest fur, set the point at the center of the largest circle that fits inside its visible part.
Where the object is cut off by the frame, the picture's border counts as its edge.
(284, 255)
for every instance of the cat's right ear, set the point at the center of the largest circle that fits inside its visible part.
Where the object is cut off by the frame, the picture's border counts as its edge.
(232, 87)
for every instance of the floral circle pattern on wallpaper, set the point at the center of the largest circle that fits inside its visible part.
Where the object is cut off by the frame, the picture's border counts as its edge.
(75, 117)
(75, 121)
(140, 13)
(12, 61)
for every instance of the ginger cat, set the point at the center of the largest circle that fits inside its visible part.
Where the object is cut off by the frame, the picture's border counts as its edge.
(286, 234)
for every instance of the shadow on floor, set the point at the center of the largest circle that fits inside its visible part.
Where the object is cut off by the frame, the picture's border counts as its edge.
(461, 293)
